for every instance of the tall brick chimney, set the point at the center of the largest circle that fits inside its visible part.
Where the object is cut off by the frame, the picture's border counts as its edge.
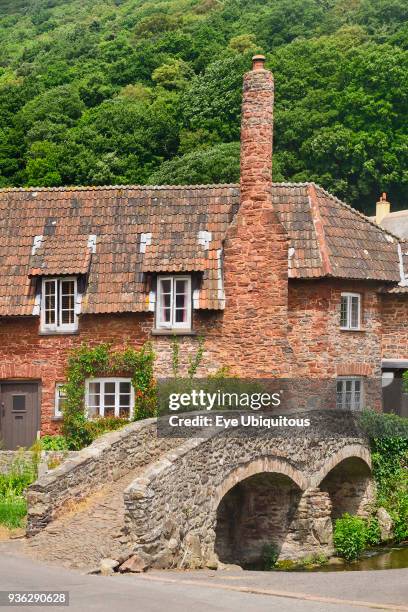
(255, 319)
(257, 134)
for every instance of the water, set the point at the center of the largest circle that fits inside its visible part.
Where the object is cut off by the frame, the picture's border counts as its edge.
(374, 559)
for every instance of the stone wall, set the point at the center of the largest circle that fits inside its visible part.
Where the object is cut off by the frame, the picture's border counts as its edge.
(7, 458)
(395, 326)
(171, 510)
(311, 530)
(315, 345)
(350, 488)
(108, 458)
(321, 349)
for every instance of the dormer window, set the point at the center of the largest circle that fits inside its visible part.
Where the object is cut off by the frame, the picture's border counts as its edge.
(173, 302)
(58, 299)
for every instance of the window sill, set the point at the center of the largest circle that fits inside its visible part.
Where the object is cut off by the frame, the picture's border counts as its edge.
(57, 418)
(353, 331)
(59, 333)
(173, 332)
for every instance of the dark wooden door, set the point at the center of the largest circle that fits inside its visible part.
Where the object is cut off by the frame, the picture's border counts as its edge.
(19, 414)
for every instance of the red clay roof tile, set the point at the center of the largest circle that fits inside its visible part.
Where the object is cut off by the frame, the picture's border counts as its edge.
(178, 220)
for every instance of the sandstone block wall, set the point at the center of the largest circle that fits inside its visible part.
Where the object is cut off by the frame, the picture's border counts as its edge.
(395, 326)
(27, 355)
(315, 346)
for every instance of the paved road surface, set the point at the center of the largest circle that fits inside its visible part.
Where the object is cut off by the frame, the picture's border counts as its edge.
(208, 591)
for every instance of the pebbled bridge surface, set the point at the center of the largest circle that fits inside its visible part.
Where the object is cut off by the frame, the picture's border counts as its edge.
(87, 532)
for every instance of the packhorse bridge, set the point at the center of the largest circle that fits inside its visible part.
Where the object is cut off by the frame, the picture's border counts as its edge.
(195, 502)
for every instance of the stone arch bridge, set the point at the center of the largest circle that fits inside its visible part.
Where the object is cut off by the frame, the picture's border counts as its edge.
(226, 497)
(191, 503)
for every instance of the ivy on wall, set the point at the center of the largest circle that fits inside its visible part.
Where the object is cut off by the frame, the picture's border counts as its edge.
(101, 361)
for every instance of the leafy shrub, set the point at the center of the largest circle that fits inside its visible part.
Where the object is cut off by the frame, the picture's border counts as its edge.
(397, 506)
(373, 532)
(315, 559)
(22, 473)
(270, 556)
(88, 362)
(54, 443)
(350, 536)
(389, 450)
(98, 427)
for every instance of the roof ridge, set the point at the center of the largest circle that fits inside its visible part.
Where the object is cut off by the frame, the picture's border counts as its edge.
(115, 187)
(319, 229)
(144, 187)
(356, 212)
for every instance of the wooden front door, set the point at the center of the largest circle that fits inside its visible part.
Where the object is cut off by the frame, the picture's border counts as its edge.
(19, 414)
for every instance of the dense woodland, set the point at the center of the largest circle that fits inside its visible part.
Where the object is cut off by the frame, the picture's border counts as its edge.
(99, 92)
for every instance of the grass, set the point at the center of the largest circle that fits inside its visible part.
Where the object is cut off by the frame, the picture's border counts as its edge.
(13, 509)
(13, 485)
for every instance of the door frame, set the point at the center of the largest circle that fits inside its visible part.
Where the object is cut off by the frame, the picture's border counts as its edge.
(28, 381)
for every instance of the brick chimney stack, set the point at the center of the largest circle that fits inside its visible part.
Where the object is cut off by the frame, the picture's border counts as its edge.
(383, 208)
(257, 133)
(255, 320)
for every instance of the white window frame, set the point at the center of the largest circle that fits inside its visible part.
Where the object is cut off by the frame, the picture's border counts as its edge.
(173, 324)
(58, 326)
(102, 381)
(57, 410)
(349, 326)
(353, 406)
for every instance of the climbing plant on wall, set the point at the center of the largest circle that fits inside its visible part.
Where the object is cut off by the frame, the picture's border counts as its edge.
(101, 361)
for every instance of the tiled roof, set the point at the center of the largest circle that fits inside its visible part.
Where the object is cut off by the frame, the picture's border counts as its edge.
(395, 290)
(47, 231)
(119, 235)
(58, 255)
(329, 238)
(357, 248)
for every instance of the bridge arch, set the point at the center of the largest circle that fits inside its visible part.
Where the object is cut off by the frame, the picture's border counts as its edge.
(357, 451)
(254, 509)
(265, 464)
(346, 478)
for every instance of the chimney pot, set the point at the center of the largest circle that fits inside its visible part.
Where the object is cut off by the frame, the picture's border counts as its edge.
(383, 208)
(258, 62)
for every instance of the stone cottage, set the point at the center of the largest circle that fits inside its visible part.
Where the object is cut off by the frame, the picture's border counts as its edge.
(281, 279)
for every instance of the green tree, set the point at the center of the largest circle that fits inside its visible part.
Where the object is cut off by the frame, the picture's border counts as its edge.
(120, 88)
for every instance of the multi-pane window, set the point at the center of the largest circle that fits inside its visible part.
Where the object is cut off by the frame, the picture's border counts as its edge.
(108, 397)
(60, 398)
(349, 393)
(58, 304)
(350, 314)
(173, 302)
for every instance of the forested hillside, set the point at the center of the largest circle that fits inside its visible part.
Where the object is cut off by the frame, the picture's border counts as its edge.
(148, 91)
